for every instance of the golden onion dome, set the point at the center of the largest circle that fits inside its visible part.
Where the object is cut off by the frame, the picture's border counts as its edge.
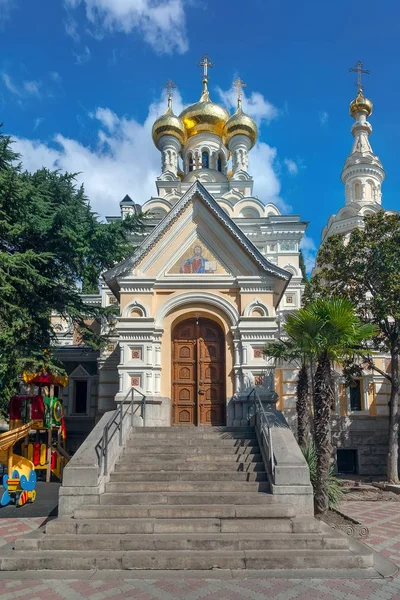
(240, 124)
(204, 115)
(361, 103)
(169, 124)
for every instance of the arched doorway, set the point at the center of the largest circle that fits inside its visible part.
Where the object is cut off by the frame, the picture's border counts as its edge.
(198, 373)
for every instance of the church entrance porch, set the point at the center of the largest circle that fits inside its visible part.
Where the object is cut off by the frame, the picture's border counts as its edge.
(198, 373)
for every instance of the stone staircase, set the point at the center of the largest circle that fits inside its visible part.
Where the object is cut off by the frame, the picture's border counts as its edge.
(186, 498)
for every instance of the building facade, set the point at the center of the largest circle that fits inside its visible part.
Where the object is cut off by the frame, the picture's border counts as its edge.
(203, 291)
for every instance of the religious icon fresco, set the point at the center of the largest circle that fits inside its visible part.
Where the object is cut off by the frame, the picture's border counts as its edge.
(197, 260)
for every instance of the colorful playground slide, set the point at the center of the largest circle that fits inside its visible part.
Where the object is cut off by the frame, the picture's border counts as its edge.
(20, 480)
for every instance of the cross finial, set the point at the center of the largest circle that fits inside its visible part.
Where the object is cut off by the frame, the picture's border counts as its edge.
(170, 86)
(358, 68)
(205, 63)
(239, 84)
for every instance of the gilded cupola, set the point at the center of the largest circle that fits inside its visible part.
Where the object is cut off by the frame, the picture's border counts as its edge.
(240, 124)
(169, 124)
(204, 115)
(361, 104)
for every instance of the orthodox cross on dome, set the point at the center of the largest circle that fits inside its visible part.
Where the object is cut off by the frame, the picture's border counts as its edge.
(358, 68)
(205, 62)
(170, 85)
(239, 84)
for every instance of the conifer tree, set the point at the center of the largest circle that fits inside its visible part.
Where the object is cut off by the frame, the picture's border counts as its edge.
(52, 247)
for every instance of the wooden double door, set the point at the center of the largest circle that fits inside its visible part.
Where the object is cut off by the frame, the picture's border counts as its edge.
(198, 373)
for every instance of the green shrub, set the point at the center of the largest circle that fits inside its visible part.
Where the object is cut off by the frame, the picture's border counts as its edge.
(335, 492)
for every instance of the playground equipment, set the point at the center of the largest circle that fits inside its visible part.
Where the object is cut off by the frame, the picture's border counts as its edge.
(37, 421)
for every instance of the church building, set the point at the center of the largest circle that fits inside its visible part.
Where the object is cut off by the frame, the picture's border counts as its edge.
(203, 291)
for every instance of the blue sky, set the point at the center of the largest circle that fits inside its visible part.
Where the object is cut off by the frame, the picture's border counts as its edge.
(81, 83)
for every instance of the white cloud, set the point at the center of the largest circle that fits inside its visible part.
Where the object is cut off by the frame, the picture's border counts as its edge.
(258, 107)
(10, 85)
(6, 7)
(309, 249)
(323, 116)
(83, 58)
(32, 87)
(55, 76)
(125, 161)
(107, 118)
(38, 122)
(162, 23)
(71, 28)
(291, 166)
(27, 88)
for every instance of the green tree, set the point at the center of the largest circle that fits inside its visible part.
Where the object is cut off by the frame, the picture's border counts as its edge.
(302, 266)
(333, 333)
(52, 247)
(365, 267)
(292, 350)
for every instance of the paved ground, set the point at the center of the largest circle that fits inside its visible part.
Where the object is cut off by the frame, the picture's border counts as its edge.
(382, 518)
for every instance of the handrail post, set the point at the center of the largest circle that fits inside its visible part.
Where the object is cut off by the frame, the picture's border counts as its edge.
(121, 417)
(105, 445)
(132, 405)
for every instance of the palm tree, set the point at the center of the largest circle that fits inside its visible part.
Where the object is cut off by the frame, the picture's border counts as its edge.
(292, 351)
(333, 333)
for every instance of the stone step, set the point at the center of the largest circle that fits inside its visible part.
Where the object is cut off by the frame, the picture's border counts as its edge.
(221, 443)
(266, 510)
(181, 450)
(189, 476)
(192, 430)
(186, 498)
(126, 526)
(188, 457)
(191, 433)
(178, 559)
(235, 487)
(183, 465)
(220, 541)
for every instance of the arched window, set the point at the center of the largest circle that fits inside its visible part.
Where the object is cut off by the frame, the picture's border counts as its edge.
(219, 163)
(190, 162)
(357, 190)
(205, 160)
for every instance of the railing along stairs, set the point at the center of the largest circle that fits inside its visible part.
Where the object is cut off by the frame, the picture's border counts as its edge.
(125, 410)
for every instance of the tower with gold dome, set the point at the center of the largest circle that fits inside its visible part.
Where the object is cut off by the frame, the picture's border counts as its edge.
(362, 173)
(200, 142)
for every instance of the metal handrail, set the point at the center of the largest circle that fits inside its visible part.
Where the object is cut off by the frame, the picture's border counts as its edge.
(265, 429)
(117, 419)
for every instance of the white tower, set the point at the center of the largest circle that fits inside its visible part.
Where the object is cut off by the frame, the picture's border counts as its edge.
(362, 173)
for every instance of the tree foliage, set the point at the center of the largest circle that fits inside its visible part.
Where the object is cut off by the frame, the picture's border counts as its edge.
(365, 267)
(52, 248)
(332, 332)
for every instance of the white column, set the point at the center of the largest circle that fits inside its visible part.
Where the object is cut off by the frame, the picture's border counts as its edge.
(122, 354)
(244, 352)
(120, 382)
(158, 356)
(149, 355)
(148, 382)
(157, 382)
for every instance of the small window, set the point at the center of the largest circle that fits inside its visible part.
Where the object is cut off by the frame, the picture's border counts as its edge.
(289, 299)
(112, 300)
(219, 163)
(355, 392)
(205, 160)
(80, 397)
(346, 460)
(190, 162)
